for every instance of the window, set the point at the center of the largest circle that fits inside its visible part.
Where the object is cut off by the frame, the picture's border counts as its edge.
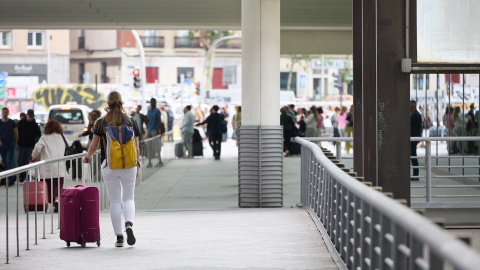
(187, 72)
(103, 75)
(284, 81)
(427, 82)
(414, 81)
(229, 75)
(81, 40)
(420, 81)
(5, 39)
(35, 39)
(81, 71)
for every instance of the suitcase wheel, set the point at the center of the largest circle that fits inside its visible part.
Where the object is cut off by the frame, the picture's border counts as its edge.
(98, 243)
(68, 244)
(83, 244)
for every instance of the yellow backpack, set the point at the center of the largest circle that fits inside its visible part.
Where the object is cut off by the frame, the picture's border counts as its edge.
(120, 150)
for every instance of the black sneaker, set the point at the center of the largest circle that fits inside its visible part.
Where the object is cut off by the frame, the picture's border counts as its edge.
(119, 242)
(130, 237)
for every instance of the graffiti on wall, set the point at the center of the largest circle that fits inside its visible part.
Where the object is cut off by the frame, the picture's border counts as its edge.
(84, 95)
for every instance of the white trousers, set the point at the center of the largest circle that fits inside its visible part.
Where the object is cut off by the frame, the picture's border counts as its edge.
(120, 184)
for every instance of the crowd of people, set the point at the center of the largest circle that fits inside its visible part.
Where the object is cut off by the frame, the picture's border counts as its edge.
(315, 122)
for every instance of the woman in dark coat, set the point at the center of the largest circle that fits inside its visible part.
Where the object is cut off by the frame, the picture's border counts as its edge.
(288, 129)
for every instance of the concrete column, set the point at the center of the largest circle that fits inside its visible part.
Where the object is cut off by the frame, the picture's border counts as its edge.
(260, 152)
(357, 88)
(260, 62)
(385, 123)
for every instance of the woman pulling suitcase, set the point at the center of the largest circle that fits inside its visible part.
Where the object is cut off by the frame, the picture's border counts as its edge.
(119, 181)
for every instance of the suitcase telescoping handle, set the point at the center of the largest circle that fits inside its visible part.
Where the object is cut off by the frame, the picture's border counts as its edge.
(88, 174)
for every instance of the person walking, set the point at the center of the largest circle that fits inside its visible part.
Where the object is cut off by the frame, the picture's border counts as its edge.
(8, 142)
(288, 125)
(237, 122)
(28, 135)
(51, 145)
(141, 119)
(415, 131)
(213, 131)
(349, 128)
(320, 122)
(153, 129)
(187, 129)
(334, 121)
(120, 183)
(449, 122)
(342, 121)
(311, 122)
(460, 122)
(92, 117)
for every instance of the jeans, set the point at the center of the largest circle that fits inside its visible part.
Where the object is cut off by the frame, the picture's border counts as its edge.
(7, 156)
(413, 153)
(120, 185)
(155, 148)
(215, 141)
(187, 141)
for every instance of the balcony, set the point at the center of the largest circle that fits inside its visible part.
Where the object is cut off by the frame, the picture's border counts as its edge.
(185, 42)
(153, 41)
(231, 44)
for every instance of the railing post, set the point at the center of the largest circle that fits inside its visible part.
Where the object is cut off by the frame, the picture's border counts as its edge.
(428, 169)
(339, 150)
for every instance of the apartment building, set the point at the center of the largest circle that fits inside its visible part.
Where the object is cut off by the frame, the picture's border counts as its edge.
(112, 55)
(42, 54)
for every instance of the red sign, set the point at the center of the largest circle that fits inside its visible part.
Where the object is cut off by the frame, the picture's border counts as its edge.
(11, 92)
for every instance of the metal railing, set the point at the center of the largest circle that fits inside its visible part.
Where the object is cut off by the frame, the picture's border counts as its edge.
(153, 41)
(451, 181)
(78, 173)
(369, 230)
(186, 42)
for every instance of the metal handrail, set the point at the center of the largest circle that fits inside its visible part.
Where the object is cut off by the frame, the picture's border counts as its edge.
(368, 228)
(74, 160)
(429, 174)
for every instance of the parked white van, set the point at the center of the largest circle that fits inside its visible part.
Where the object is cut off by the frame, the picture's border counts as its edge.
(74, 120)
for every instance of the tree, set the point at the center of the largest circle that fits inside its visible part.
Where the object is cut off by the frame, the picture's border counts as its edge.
(206, 39)
(303, 60)
(346, 72)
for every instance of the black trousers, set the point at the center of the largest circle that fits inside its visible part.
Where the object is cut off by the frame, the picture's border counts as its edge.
(215, 141)
(24, 156)
(413, 153)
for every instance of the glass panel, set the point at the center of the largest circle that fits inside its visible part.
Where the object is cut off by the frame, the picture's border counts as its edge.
(30, 39)
(447, 31)
(4, 39)
(38, 39)
(67, 116)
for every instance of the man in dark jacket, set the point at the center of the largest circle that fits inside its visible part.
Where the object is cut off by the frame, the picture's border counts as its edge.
(213, 131)
(415, 131)
(28, 134)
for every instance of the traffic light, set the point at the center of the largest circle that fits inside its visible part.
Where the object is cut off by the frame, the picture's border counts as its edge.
(136, 78)
(197, 88)
(338, 83)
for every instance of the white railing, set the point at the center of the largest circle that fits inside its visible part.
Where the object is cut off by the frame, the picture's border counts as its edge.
(369, 230)
(448, 181)
(83, 173)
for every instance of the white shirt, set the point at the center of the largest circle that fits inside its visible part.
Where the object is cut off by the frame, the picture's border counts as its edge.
(48, 147)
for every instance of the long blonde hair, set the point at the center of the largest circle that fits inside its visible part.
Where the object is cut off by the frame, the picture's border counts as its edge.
(116, 114)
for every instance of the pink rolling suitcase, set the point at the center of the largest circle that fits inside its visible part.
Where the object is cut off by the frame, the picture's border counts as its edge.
(79, 215)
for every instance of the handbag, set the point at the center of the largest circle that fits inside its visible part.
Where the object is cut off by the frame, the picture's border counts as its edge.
(69, 150)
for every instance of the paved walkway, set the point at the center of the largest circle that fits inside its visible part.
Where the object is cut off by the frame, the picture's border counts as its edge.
(187, 218)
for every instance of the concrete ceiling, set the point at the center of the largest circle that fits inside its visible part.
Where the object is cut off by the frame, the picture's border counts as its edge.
(318, 21)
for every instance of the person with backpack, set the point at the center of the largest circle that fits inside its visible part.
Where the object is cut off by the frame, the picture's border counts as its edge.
(118, 135)
(215, 129)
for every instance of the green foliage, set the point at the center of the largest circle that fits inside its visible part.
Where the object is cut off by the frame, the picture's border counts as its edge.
(208, 37)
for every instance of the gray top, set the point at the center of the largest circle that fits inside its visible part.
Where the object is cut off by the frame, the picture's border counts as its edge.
(188, 121)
